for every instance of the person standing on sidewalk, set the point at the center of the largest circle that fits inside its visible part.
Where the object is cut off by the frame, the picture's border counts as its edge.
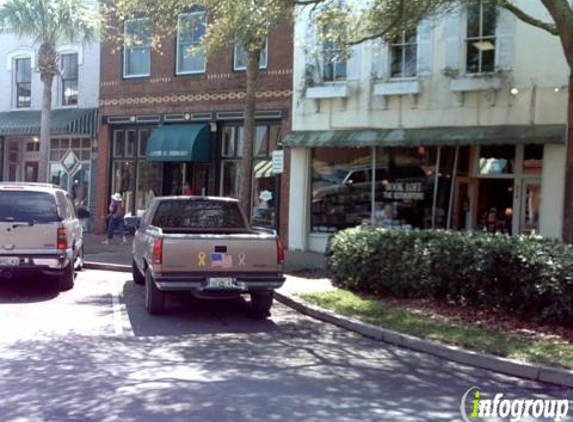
(115, 219)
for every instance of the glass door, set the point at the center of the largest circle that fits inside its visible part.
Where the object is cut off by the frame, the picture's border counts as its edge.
(530, 205)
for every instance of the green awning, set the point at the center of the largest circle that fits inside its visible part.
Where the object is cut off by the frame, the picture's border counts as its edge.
(69, 121)
(469, 135)
(180, 143)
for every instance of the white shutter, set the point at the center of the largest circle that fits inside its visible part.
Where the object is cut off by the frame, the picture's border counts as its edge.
(505, 33)
(425, 47)
(354, 63)
(454, 39)
(313, 53)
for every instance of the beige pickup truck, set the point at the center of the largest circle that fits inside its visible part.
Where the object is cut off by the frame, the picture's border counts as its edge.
(205, 246)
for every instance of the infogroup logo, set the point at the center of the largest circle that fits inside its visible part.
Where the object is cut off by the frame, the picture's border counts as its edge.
(474, 406)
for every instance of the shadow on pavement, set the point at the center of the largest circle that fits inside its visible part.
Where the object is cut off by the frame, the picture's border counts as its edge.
(27, 289)
(187, 315)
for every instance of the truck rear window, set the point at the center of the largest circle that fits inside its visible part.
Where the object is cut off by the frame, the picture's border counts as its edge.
(198, 215)
(39, 207)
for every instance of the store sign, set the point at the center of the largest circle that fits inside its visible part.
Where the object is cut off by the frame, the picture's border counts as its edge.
(278, 162)
(404, 191)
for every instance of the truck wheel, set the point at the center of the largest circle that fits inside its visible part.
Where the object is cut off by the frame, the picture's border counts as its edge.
(261, 304)
(65, 281)
(138, 278)
(154, 298)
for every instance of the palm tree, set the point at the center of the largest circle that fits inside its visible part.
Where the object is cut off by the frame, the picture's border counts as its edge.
(47, 23)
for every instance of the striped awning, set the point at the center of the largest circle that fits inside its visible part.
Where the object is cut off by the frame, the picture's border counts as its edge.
(69, 121)
(263, 169)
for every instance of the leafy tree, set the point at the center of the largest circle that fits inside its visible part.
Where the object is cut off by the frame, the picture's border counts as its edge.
(386, 19)
(243, 22)
(47, 23)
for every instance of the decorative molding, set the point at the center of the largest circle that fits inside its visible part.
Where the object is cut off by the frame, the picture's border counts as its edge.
(398, 88)
(328, 91)
(190, 98)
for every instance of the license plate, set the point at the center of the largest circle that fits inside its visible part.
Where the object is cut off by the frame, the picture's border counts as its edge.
(221, 283)
(9, 262)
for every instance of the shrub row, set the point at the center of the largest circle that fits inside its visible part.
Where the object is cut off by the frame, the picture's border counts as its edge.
(529, 276)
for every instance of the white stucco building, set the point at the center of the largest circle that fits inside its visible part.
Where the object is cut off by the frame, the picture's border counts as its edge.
(463, 123)
(75, 95)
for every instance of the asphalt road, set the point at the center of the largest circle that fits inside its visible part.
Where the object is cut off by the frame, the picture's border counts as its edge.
(93, 354)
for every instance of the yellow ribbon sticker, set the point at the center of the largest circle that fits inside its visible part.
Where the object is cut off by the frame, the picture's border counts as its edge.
(202, 259)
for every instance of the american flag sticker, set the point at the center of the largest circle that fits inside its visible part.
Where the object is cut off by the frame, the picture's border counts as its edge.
(221, 260)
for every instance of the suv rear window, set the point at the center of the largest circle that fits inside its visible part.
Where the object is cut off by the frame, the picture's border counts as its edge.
(198, 215)
(28, 206)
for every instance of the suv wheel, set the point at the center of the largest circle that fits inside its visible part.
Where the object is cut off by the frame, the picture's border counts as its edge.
(138, 278)
(66, 279)
(80, 260)
(154, 298)
(261, 303)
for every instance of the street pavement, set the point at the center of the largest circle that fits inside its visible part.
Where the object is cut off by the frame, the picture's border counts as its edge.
(94, 354)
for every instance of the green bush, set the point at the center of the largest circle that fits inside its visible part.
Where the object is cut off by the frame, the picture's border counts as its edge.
(529, 276)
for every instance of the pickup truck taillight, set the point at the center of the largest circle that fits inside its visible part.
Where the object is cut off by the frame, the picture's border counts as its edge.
(158, 251)
(62, 239)
(280, 252)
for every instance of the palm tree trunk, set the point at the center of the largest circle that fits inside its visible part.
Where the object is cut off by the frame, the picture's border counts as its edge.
(250, 105)
(46, 122)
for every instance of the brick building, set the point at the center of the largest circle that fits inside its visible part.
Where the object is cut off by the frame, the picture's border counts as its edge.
(172, 121)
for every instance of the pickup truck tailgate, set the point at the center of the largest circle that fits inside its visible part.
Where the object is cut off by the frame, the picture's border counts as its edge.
(229, 253)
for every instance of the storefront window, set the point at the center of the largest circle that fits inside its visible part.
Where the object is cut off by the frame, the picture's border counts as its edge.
(341, 188)
(496, 160)
(123, 182)
(70, 167)
(532, 159)
(149, 183)
(231, 176)
(264, 200)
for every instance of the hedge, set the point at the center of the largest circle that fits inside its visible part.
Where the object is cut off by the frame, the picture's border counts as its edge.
(528, 276)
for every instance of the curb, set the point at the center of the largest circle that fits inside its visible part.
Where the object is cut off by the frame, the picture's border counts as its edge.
(561, 377)
(107, 267)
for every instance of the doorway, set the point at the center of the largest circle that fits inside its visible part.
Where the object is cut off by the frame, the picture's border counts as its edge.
(495, 205)
(31, 171)
(185, 179)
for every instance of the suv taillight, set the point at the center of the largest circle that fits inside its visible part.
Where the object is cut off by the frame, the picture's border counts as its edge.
(62, 239)
(158, 251)
(280, 252)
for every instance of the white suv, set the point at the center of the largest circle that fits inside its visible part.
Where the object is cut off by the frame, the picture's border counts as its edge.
(40, 233)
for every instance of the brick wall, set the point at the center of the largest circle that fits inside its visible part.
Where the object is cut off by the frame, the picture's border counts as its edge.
(218, 89)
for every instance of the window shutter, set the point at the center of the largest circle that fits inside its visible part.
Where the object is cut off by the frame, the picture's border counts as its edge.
(313, 53)
(505, 39)
(425, 47)
(380, 60)
(354, 63)
(454, 37)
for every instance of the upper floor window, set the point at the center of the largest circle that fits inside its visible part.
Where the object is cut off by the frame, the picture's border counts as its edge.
(191, 28)
(69, 75)
(334, 65)
(240, 57)
(23, 82)
(136, 52)
(481, 37)
(404, 56)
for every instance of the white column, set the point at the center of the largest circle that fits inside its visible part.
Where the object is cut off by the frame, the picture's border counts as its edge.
(552, 191)
(299, 198)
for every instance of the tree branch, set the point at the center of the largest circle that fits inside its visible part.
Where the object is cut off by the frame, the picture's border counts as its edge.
(546, 26)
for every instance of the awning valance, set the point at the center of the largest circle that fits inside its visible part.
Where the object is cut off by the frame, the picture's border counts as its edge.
(189, 142)
(469, 135)
(69, 121)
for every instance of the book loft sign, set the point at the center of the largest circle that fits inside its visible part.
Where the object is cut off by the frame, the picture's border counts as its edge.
(401, 191)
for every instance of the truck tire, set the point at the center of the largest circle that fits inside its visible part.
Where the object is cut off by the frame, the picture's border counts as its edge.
(138, 278)
(261, 303)
(154, 298)
(65, 281)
